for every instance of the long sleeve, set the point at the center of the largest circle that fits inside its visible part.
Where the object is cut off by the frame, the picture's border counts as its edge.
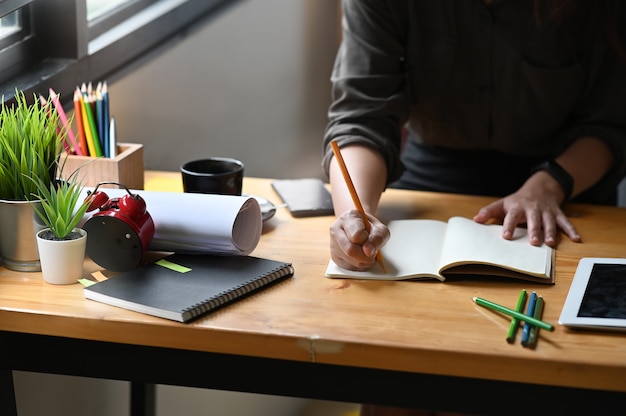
(370, 94)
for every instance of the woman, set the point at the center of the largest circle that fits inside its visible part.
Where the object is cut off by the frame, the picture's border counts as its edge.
(521, 100)
(508, 98)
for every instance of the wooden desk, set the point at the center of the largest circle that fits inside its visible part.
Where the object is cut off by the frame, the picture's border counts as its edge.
(417, 344)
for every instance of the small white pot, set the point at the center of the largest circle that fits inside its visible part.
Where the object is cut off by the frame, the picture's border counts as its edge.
(62, 261)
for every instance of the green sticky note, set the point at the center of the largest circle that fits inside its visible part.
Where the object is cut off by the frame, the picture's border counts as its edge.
(86, 282)
(173, 266)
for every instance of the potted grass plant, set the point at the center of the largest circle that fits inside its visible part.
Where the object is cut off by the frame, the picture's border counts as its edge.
(62, 243)
(30, 147)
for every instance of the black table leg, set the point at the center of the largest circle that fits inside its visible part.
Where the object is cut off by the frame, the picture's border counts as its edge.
(142, 399)
(7, 394)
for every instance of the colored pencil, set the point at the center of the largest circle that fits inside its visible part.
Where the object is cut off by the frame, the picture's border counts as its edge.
(45, 106)
(534, 331)
(54, 97)
(78, 115)
(510, 312)
(530, 311)
(100, 121)
(107, 119)
(88, 136)
(91, 128)
(354, 195)
(112, 139)
(510, 338)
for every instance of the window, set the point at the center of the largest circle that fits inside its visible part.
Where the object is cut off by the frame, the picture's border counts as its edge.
(102, 15)
(99, 8)
(15, 38)
(62, 43)
(10, 24)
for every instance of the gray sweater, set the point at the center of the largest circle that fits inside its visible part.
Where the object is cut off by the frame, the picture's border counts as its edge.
(463, 76)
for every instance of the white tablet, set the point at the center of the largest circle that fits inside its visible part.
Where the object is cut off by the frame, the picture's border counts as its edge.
(597, 296)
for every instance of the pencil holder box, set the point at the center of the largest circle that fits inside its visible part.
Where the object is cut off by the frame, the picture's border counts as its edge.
(126, 168)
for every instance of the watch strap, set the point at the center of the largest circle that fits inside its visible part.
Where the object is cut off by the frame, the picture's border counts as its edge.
(559, 174)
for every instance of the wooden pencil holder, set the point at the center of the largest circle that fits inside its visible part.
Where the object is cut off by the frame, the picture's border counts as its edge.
(126, 168)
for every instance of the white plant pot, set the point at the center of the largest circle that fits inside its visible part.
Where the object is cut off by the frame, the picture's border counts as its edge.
(62, 261)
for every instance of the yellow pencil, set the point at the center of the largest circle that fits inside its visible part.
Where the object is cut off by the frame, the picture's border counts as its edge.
(87, 130)
(92, 129)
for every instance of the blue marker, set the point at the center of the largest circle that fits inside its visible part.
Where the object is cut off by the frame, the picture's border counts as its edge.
(530, 311)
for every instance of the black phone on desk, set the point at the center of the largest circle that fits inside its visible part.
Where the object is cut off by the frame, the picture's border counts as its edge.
(305, 197)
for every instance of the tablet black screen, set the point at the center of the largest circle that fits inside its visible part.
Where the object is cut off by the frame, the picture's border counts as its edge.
(605, 295)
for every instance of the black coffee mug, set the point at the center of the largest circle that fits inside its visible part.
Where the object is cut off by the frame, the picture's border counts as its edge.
(214, 175)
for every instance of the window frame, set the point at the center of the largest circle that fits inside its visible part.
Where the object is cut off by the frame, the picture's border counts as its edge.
(63, 56)
(21, 33)
(114, 17)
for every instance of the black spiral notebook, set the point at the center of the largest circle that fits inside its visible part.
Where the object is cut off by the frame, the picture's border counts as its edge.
(182, 287)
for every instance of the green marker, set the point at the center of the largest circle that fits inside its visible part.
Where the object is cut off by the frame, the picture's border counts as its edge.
(521, 300)
(513, 313)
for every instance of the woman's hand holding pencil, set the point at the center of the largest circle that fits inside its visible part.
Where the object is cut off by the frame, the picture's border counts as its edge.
(355, 198)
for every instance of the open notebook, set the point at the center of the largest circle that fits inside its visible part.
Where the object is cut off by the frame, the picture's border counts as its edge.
(431, 249)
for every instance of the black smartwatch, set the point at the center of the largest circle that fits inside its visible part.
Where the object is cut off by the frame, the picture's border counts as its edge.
(559, 174)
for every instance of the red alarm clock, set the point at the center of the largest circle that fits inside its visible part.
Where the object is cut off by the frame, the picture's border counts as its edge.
(120, 232)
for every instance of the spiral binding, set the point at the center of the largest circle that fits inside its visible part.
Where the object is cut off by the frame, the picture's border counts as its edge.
(238, 291)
